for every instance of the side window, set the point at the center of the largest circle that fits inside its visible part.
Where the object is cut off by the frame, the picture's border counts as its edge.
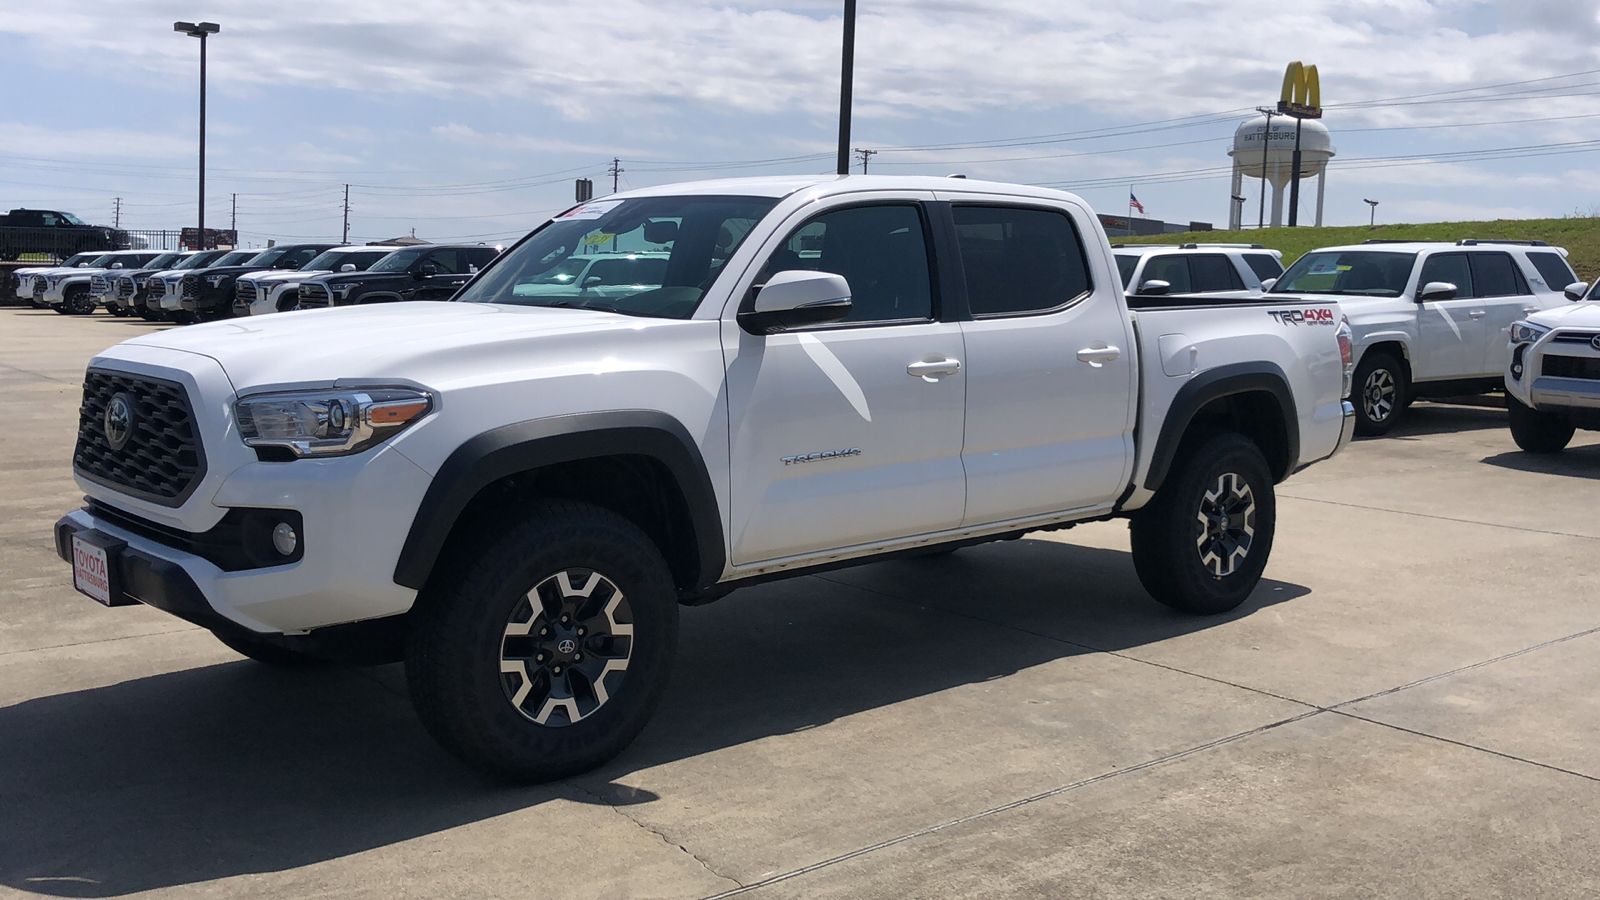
(1265, 265)
(448, 262)
(1125, 267)
(299, 258)
(1553, 269)
(1495, 275)
(881, 250)
(1020, 260)
(1448, 267)
(1214, 273)
(49, 220)
(1174, 270)
(478, 258)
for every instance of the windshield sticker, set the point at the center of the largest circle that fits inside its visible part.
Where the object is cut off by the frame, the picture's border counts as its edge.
(1323, 267)
(590, 210)
(599, 237)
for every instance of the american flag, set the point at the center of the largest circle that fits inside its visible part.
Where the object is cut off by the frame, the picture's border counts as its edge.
(1133, 203)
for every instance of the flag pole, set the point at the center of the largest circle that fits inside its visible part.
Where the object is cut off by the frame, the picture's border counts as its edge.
(1130, 207)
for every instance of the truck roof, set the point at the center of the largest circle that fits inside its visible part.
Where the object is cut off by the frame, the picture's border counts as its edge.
(825, 185)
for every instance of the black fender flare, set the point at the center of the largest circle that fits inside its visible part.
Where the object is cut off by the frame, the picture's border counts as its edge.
(1214, 384)
(525, 446)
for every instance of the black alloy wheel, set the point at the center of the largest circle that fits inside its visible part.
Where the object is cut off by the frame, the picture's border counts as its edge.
(77, 301)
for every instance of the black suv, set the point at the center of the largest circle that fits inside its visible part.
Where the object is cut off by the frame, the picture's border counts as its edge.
(432, 272)
(214, 299)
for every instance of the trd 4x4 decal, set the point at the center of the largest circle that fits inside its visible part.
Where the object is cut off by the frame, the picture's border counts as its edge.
(1322, 316)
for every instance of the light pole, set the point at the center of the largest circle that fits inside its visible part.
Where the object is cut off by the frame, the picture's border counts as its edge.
(1373, 218)
(201, 30)
(846, 79)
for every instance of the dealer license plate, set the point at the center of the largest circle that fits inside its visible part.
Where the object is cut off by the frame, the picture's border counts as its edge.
(91, 570)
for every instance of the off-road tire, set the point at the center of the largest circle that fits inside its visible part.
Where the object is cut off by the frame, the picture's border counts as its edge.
(1379, 393)
(77, 302)
(1170, 540)
(263, 652)
(1536, 431)
(460, 643)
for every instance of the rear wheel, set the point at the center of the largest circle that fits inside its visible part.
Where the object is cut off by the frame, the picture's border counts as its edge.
(1536, 431)
(1380, 393)
(544, 654)
(1201, 544)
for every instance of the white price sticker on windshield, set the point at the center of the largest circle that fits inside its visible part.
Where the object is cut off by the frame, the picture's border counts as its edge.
(590, 210)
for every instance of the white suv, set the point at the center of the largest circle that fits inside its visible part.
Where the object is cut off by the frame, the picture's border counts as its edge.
(1430, 318)
(1220, 271)
(1553, 378)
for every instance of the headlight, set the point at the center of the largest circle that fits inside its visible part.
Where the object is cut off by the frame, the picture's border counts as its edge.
(331, 422)
(343, 290)
(1526, 332)
(215, 280)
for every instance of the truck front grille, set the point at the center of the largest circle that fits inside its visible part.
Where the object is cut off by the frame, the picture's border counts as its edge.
(244, 291)
(1571, 367)
(126, 288)
(191, 288)
(160, 458)
(314, 295)
(99, 284)
(1574, 337)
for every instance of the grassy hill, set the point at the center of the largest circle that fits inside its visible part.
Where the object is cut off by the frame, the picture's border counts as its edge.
(1581, 237)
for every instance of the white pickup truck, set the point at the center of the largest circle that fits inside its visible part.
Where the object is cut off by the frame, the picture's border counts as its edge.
(515, 491)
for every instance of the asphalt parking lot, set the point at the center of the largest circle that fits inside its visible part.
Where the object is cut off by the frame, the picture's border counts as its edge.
(1409, 704)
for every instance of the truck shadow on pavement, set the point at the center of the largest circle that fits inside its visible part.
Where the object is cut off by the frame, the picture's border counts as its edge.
(1574, 462)
(232, 769)
(1424, 419)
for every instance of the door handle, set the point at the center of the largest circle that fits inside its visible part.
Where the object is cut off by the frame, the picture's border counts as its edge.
(1098, 356)
(1476, 314)
(930, 370)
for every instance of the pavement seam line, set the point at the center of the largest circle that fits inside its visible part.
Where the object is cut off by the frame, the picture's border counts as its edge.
(1090, 647)
(664, 839)
(78, 383)
(1466, 668)
(1402, 512)
(1016, 804)
(125, 637)
(1463, 744)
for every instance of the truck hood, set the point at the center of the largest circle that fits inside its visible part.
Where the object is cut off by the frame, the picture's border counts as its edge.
(427, 341)
(280, 275)
(1573, 315)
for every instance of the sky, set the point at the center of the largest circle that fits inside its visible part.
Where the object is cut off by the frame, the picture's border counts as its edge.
(469, 119)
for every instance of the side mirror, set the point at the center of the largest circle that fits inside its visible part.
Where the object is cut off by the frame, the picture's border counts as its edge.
(1155, 288)
(116, 265)
(1576, 290)
(590, 282)
(796, 299)
(1267, 283)
(426, 270)
(348, 267)
(1437, 290)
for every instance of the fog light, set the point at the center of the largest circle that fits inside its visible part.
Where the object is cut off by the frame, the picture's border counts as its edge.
(284, 540)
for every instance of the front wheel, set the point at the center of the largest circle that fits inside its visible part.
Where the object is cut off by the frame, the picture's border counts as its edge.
(1380, 394)
(1536, 431)
(544, 653)
(1201, 544)
(77, 301)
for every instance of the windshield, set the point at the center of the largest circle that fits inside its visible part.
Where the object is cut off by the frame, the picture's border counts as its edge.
(103, 262)
(399, 260)
(1368, 273)
(236, 258)
(651, 256)
(1125, 266)
(164, 261)
(265, 258)
(198, 260)
(71, 219)
(85, 258)
(331, 260)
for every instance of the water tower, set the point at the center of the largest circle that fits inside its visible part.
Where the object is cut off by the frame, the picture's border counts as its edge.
(1264, 146)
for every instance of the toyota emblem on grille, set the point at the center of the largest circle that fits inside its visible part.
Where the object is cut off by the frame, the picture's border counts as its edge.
(118, 421)
(1595, 342)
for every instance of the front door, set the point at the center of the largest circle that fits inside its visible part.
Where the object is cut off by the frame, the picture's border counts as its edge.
(835, 442)
(1452, 332)
(1050, 375)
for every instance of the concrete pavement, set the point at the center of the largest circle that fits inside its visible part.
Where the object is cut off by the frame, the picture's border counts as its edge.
(1407, 704)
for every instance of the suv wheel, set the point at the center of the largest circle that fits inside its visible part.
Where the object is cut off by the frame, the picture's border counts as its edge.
(1536, 431)
(1380, 393)
(544, 653)
(1201, 544)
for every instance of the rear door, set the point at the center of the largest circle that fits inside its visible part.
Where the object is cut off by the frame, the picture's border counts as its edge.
(1452, 332)
(834, 441)
(1050, 375)
(1505, 297)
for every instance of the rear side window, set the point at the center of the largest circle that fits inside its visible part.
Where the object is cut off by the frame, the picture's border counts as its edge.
(1495, 275)
(1447, 267)
(1265, 265)
(1019, 260)
(1553, 269)
(1214, 273)
(1174, 270)
(1125, 266)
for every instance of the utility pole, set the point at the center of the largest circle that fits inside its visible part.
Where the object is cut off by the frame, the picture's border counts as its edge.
(865, 155)
(233, 215)
(346, 238)
(847, 67)
(116, 213)
(1266, 142)
(615, 172)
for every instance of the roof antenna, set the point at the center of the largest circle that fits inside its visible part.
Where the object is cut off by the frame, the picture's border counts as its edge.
(957, 175)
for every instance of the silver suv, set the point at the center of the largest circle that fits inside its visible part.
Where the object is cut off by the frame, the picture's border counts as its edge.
(1224, 271)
